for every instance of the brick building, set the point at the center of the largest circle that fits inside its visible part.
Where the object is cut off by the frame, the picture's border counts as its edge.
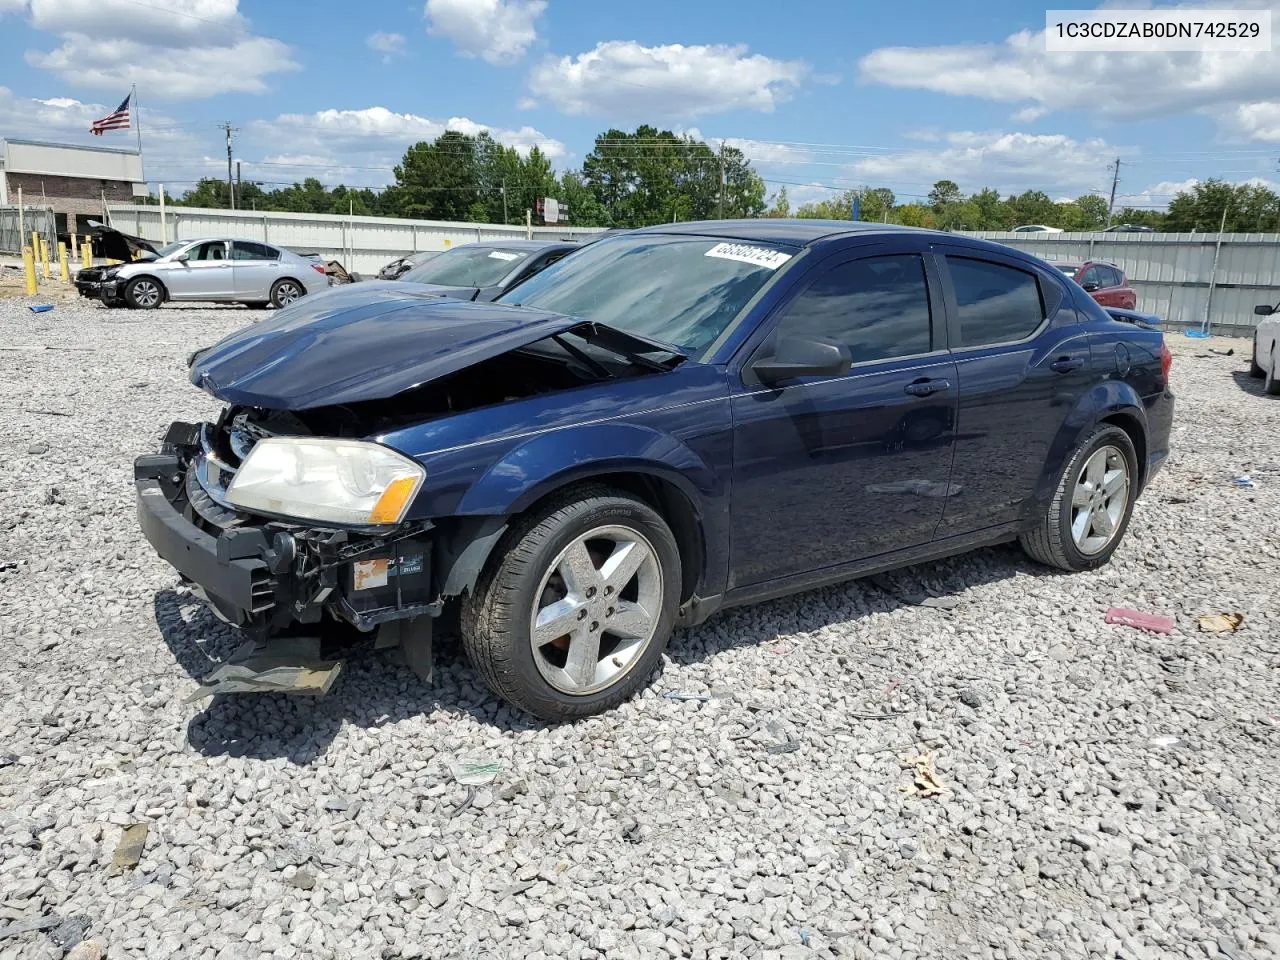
(71, 180)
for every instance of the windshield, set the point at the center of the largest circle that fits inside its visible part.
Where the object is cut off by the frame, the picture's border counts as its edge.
(469, 266)
(164, 251)
(681, 290)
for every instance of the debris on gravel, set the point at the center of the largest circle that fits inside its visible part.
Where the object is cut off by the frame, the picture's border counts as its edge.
(767, 819)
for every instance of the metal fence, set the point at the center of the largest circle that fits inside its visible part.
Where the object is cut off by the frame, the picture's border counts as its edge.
(16, 228)
(1189, 279)
(363, 244)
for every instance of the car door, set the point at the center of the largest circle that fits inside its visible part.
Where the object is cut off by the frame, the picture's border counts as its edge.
(205, 274)
(255, 267)
(1022, 366)
(829, 470)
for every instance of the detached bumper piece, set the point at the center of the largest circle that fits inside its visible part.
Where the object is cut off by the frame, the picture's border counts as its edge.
(276, 665)
(269, 578)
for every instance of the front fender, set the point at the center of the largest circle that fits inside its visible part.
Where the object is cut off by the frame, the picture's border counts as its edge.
(548, 461)
(1104, 400)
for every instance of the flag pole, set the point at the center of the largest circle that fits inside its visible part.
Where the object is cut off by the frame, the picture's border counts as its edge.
(137, 119)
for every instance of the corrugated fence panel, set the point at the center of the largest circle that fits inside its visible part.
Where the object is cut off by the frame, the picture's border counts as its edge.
(363, 244)
(1171, 271)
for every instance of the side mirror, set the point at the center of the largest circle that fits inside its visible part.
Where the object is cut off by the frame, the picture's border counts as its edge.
(1089, 287)
(802, 357)
(1264, 310)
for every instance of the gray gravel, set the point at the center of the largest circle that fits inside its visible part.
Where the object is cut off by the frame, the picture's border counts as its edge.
(763, 815)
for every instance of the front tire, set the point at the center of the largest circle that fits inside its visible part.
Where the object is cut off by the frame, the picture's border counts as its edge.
(144, 293)
(1087, 518)
(286, 292)
(574, 609)
(1255, 369)
(1271, 383)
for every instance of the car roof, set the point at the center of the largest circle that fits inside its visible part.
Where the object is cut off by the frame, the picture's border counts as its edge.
(793, 232)
(531, 245)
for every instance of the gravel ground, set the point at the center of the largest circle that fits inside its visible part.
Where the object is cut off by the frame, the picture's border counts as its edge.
(1108, 792)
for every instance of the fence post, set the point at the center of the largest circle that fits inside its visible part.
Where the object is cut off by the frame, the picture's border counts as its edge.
(86, 249)
(1207, 327)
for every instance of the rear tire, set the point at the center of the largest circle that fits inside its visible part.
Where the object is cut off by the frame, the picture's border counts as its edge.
(1087, 518)
(286, 292)
(144, 293)
(585, 532)
(1255, 369)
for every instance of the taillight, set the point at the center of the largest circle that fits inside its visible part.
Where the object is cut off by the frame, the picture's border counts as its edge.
(1166, 361)
(318, 268)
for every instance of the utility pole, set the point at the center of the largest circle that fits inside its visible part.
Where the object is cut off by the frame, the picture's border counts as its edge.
(231, 184)
(239, 182)
(504, 199)
(1115, 181)
(722, 180)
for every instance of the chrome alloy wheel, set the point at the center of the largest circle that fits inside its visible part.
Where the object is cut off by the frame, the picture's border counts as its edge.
(288, 292)
(1100, 498)
(146, 293)
(596, 610)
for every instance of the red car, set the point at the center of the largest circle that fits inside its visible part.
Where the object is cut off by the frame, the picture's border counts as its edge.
(1103, 281)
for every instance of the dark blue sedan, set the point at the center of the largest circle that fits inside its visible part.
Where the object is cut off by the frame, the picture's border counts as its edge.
(665, 423)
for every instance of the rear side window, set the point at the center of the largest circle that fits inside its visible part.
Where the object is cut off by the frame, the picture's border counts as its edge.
(1114, 277)
(997, 304)
(248, 250)
(879, 307)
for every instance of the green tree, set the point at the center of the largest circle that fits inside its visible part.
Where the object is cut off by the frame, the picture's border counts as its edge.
(1249, 208)
(781, 205)
(944, 192)
(439, 180)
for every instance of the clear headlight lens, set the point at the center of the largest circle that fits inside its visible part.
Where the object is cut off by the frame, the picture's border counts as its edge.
(329, 481)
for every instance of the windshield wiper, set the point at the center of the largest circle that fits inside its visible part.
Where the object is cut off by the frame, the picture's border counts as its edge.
(633, 346)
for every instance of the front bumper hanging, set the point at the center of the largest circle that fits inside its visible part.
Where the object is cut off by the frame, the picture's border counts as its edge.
(268, 578)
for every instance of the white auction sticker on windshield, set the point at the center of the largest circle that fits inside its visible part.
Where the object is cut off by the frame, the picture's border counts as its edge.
(503, 255)
(746, 253)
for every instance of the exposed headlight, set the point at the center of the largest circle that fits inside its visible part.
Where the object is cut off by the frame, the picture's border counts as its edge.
(328, 481)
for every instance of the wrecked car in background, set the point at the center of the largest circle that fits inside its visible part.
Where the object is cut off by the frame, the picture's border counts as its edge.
(485, 271)
(666, 423)
(402, 265)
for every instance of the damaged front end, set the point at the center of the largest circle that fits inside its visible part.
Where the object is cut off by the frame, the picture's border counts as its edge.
(274, 579)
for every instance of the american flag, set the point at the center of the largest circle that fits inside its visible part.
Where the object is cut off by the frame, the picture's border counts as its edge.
(118, 119)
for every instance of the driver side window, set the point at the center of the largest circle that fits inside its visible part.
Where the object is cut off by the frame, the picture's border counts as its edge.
(213, 250)
(878, 307)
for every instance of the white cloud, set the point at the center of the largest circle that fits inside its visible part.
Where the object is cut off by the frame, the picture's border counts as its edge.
(1010, 162)
(12, 6)
(623, 78)
(497, 31)
(1159, 194)
(173, 49)
(388, 44)
(1255, 121)
(1117, 86)
(761, 153)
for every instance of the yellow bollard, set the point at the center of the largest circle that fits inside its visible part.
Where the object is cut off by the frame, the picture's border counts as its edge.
(35, 246)
(44, 258)
(86, 250)
(29, 270)
(62, 262)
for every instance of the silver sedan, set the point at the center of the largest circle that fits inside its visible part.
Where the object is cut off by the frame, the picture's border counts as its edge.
(228, 271)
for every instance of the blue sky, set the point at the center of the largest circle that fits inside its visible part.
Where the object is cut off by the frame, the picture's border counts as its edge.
(822, 95)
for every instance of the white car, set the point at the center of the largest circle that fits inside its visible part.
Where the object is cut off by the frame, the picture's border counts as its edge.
(1265, 362)
(1036, 228)
(221, 270)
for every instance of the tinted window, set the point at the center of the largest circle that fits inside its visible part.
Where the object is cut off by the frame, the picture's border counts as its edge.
(997, 304)
(213, 250)
(247, 250)
(879, 307)
(1114, 277)
(1091, 276)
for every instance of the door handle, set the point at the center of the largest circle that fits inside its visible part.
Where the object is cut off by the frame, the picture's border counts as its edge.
(1066, 364)
(924, 388)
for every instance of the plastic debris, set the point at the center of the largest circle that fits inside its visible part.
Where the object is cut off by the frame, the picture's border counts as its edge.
(31, 925)
(1155, 622)
(1244, 480)
(697, 697)
(1166, 740)
(790, 746)
(1221, 622)
(40, 307)
(1196, 334)
(1229, 352)
(471, 772)
(129, 849)
(925, 782)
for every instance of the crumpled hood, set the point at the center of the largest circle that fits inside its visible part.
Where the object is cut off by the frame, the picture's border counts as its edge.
(366, 341)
